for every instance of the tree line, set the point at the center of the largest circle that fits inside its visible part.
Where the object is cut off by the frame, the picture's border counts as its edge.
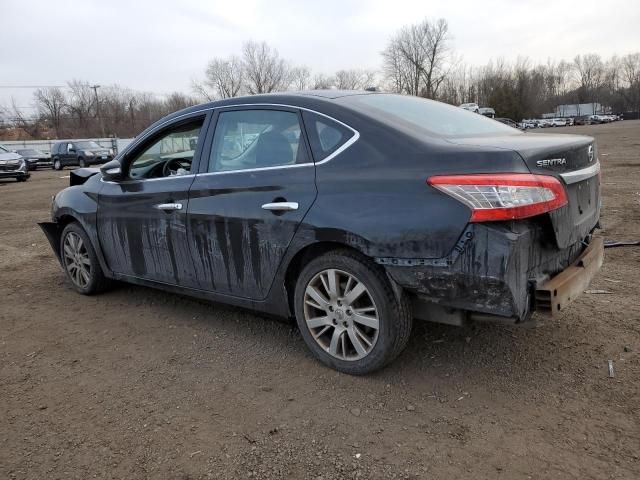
(418, 59)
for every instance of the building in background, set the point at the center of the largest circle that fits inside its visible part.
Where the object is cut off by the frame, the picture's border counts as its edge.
(579, 109)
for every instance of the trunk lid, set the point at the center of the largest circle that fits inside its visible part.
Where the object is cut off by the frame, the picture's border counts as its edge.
(571, 158)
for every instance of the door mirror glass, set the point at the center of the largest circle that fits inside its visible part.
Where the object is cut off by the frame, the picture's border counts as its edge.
(111, 171)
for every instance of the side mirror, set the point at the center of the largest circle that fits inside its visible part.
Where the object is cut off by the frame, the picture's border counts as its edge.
(112, 171)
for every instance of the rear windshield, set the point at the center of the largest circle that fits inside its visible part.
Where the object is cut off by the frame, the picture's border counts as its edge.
(29, 152)
(427, 115)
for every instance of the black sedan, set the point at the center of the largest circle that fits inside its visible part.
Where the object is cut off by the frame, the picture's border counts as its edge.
(35, 158)
(353, 212)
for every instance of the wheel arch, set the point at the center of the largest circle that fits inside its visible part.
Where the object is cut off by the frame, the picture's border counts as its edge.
(303, 256)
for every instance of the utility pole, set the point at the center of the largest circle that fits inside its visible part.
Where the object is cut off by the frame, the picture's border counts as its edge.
(95, 91)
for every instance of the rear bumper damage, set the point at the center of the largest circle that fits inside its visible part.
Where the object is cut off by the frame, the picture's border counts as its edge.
(499, 271)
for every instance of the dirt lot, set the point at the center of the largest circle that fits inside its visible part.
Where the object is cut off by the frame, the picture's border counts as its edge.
(137, 383)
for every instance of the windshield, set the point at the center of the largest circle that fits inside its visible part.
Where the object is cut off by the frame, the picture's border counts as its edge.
(427, 115)
(29, 152)
(3, 150)
(88, 144)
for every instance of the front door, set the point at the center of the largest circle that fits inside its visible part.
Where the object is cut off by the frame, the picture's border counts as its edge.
(254, 188)
(142, 223)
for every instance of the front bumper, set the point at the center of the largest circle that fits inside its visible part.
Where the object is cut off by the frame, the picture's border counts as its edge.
(497, 269)
(14, 174)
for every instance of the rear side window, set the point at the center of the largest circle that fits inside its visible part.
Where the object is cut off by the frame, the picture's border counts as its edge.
(325, 135)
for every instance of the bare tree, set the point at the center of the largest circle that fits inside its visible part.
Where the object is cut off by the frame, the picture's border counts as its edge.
(589, 72)
(354, 79)
(225, 77)
(51, 104)
(631, 76)
(322, 82)
(300, 78)
(81, 105)
(264, 70)
(418, 58)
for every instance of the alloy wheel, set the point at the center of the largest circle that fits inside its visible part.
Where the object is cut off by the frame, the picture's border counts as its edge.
(341, 314)
(76, 260)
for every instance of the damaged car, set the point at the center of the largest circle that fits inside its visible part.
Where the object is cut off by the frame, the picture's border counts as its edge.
(354, 212)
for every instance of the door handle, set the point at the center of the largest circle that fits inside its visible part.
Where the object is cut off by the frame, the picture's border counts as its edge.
(168, 206)
(280, 206)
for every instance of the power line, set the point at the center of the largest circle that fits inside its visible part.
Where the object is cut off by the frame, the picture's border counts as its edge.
(34, 86)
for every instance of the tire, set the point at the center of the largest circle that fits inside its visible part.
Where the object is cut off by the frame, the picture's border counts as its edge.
(93, 279)
(392, 314)
(21, 179)
(82, 163)
(57, 165)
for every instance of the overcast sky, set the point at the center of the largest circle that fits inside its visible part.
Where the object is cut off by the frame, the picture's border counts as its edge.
(160, 46)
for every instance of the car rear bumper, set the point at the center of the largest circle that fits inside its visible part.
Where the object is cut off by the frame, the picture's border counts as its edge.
(552, 296)
(501, 270)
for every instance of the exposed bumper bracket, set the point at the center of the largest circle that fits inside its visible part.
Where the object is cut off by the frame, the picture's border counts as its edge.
(559, 291)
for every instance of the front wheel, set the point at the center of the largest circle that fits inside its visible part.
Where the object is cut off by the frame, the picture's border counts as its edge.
(57, 165)
(82, 163)
(348, 314)
(80, 262)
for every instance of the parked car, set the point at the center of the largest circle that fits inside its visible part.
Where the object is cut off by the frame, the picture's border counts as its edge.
(543, 123)
(80, 153)
(355, 213)
(558, 122)
(597, 119)
(472, 107)
(487, 112)
(507, 121)
(35, 158)
(13, 165)
(529, 124)
(583, 120)
(569, 121)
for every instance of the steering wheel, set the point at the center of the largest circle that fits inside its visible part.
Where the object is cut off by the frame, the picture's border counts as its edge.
(168, 171)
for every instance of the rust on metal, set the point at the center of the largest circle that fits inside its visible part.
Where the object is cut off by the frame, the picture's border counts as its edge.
(559, 291)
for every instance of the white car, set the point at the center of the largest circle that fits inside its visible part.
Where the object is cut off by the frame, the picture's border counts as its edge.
(472, 107)
(558, 122)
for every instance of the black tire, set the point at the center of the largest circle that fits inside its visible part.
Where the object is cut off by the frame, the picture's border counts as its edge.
(21, 179)
(82, 163)
(394, 314)
(97, 282)
(57, 164)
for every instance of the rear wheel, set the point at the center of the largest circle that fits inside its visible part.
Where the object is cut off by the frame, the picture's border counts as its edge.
(80, 261)
(348, 314)
(82, 163)
(57, 165)
(21, 179)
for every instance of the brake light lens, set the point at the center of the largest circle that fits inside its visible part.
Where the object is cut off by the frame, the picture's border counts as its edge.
(507, 196)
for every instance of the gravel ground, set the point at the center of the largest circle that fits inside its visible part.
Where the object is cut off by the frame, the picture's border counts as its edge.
(137, 383)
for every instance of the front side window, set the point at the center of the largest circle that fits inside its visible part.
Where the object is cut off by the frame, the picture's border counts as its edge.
(169, 153)
(248, 139)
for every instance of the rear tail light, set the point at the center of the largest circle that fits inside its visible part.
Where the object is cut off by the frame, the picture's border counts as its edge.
(510, 196)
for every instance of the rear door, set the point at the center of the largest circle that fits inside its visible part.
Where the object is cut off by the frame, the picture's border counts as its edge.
(142, 220)
(255, 185)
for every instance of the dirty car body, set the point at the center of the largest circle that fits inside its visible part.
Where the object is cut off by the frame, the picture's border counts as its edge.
(467, 217)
